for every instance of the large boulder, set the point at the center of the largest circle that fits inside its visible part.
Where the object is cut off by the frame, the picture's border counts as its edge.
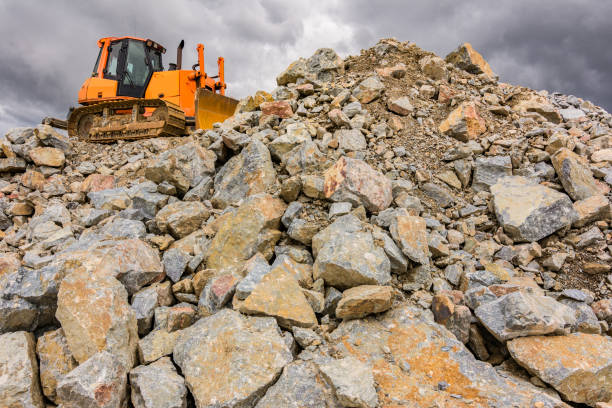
(578, 365)
(252, 228)
(158, 385)
(354, 181)
(468, 59)
(323, 65)
(529, 211)
(230, 360)
(184, 167)
(115, 258)
(250, 172)
(19, 385)
(520, 314)
(279, 295)
(574, 174)
(417, 362)
(47, 156)
(335, 248)
(99, 382)
(95, 315)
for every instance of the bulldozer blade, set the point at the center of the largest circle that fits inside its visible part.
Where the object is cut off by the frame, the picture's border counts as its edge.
(211, 108)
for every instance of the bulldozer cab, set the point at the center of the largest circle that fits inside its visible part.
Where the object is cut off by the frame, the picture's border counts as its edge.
(131, 62)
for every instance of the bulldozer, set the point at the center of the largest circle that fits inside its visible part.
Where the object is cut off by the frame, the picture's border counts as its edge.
(130, 96)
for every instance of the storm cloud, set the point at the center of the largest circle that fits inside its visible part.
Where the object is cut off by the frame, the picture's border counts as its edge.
(49, 48)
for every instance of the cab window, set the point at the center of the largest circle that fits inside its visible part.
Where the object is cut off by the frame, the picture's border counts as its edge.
(113, 60)
(136, 68)
(95, 70)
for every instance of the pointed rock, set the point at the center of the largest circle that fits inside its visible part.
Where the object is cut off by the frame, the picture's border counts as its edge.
(279, 295)
(19, 386)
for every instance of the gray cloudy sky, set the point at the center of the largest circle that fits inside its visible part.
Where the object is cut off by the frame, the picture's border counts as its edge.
(48, 47)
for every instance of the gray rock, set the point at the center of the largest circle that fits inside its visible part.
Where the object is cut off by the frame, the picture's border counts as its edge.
(101, 381)
(586, 321)
(401, 106)
(158, 386)
(230, 360)
(337, 265)
(149, 202)
(256, 268)
(248, 173)
(110, 199)
(488, 170)
(591, 237)
(144, 303)
(94, 216)
(338, 209)
(369, 89)
(124, 228)
(181, 218)
(17, 314)
(521, 314)
(571, 114)
(399, 263)
(299, 386)
(453, 273)
(184, 167)
(528, 211)
(296, 135)
(352, 381)
(439, 194)
(175, 261)
(19, 384)
(306, 337)
(350, 140)
(332, 297)
(201, 191)
(293, 211)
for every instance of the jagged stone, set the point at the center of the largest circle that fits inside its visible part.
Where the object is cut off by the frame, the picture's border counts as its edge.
(467, 58)
(19, 384)
(352, 381)
(96, 316)
(230, 360)
(181, 218)
(99, 382)
(253, 228)
(157, 385)
(529, 211)
(519, 314)
(410, 233)
(279, 295)
(251, 172)
(351, 180)
(464, 123)
(575, 176)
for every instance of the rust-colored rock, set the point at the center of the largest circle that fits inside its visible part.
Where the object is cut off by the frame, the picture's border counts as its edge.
(355, 181)
(364, 300)
(464, 123)
(579, 365)
(97, 182)
(281, 109)
(279, 295)
(467, 58)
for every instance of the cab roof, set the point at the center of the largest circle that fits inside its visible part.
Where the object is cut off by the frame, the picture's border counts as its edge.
(149, 43)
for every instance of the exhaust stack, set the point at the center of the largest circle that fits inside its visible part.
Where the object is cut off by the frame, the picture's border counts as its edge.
(179, 55)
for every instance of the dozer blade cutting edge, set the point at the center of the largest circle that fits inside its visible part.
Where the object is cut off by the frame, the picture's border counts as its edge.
(211, 108)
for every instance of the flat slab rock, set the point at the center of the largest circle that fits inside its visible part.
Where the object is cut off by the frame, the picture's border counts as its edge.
(519, 314)
(579, 365)
(229, 360)
(530, 211)
(412, 356)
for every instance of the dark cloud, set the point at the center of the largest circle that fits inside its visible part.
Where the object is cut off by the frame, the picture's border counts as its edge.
(48, 48)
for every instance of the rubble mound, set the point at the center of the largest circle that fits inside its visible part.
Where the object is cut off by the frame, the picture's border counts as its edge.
(391, 229)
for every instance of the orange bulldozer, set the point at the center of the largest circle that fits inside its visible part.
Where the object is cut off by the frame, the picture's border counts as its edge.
(130, 96)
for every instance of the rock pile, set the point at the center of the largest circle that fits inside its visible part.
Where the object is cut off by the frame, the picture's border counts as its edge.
(392, 229)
